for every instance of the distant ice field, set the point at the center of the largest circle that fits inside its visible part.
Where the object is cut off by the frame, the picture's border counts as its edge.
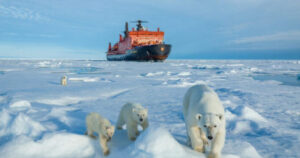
(41, 118)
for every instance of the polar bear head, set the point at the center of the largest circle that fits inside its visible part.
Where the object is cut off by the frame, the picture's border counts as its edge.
(140, 115)
(108, 132)
(210, 123)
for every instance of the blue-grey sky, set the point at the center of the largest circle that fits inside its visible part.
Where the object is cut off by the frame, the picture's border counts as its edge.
(197, 29)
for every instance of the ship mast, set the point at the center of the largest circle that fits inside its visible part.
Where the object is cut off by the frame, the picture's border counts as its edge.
(126, 30)
(139, 26)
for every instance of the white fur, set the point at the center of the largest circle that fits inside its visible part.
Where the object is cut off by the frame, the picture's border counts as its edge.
(63, 81)
(100, 125)
(133, 114)
(204, 118)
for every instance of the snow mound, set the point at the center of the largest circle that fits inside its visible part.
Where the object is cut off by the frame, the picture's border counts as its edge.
(24, 125)
(54, 146)
(2, 99)
(64, 101)
(184, 73)
(19, 125)
(209, 67)
(245, 150)
(252, 115)
(229, 116)
(244, 120)
(255, 69)
(4, 120)
(296, 113)
(85, 79)
(151, 74)
(158, 143)
(23, 104)
(182, 83)
(61, 114)
(242, 127)
(47, 64)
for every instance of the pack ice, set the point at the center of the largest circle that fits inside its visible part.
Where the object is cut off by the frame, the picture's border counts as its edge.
(41, 118)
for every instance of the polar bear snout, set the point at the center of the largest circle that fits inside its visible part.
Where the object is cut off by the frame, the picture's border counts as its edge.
(141, 115)
(108, 138)
(209, 132)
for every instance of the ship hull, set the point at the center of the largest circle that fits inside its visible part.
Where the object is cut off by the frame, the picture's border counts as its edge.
(157, 52)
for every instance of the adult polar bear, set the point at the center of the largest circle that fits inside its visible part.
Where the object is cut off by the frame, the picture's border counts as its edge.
(204, 118)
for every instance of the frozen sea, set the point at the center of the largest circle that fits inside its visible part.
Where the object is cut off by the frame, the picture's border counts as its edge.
(41, 118)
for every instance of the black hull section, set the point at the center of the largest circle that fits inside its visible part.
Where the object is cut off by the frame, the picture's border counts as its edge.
(144, 53)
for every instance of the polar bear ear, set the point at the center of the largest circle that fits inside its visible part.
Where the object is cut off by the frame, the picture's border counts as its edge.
(133, 110)
(198, 116)
(146, 110)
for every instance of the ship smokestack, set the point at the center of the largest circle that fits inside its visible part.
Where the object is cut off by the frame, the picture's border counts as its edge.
(121, 38)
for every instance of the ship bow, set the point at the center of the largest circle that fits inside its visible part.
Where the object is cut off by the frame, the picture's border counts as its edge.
(158, 52)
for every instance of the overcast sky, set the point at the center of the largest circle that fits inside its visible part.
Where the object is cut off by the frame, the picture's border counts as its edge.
(197, 29)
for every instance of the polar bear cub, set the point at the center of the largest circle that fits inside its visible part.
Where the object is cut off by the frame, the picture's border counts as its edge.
(204, 118)
(63, 81)
(133, 114)
(100, 125)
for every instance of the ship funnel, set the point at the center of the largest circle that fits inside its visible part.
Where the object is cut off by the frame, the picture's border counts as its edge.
(109, 46)
(121, 38)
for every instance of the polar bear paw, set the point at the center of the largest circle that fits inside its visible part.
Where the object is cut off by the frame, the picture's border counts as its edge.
(214, 155)
(199, 149)
(205, 142)
(106, 152)
(132, 138)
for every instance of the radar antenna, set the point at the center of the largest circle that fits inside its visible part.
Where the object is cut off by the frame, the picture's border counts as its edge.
(139, 24)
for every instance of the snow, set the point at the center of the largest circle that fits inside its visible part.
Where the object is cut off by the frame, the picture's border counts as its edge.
(150, 74)
(41, 118)
(4, 120)
(184, 73)
(246, 150)
(19, 125)
(158, 142)
(62, 101)
(155, 142)
(250, 114)
(52, 145)
(60, 114)
(242, 127)
(2, 99)
(84, 79)
(20, 104)
(24, 125)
